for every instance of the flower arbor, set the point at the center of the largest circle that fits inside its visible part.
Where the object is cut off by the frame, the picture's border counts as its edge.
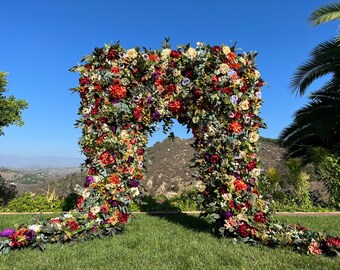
(214, 91)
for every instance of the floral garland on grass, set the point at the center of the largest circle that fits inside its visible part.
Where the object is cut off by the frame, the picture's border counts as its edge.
(214, 91)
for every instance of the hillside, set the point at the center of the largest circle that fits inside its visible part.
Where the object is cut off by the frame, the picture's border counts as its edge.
(168, 173)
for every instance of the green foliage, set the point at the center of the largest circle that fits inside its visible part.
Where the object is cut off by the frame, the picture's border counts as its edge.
(10, 108)
(8, 191)
(328, 171)
(299, 179)
(33, 203)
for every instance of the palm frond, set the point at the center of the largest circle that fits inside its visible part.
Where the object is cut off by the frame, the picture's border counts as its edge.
(325, 13)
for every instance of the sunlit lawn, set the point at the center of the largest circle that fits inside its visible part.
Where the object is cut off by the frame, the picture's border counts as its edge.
(169, 242)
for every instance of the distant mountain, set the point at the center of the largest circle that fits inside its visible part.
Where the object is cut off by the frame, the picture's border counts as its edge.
(15, 162)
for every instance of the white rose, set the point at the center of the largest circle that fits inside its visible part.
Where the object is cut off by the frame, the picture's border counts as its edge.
(95, 210)
(257, 74)
(256, 172)
(226, 50)
(85, 193)
(131, 53)
(253, 137)
(165, 53)
(191, 53)
(224, 68)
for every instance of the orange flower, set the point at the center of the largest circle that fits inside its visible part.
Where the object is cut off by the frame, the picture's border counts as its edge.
(153, 57)
(114, 179)
(118, 91)
(240, 185)
(106, 158)
(174, 106)
(235, 127)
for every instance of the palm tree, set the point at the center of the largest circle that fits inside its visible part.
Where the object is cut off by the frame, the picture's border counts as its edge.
(325, 13)
(318, 123)
(315, 125)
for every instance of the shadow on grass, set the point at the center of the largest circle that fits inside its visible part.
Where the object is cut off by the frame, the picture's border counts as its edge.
(190, 222)
(174, 215)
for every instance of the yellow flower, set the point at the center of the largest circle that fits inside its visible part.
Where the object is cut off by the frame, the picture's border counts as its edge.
(224, 68)
(253, 137)
(244, 105)
(132, 54)
(191, 53)
(226, 50)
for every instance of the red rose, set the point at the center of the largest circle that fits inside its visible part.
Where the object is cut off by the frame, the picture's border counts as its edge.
(333, 242)
(115, 70)
(227, 90)
(175, 54)
(91, 215)
(259, 84)
(111, 54)
(214, 80)
(137, 113)
(171, 88)
(243, 89)
(239, 185)
(214, 159)
(243, 230)
(105, 209)
(216, 49)
(123, 218)
(80, 203)
(223, 189)
(85, 80)
(237, 115)
(260, 217)
(251, 165)
(88, 66)
(133, 141)
(174, 106)
(231, 204)
(72, 224)
(140, 151)
(91, 171)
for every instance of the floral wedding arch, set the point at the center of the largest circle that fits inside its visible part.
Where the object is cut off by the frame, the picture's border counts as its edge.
(213, 91)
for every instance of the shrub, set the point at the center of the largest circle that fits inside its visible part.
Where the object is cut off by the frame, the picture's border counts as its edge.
(33, 203)
(327, 168)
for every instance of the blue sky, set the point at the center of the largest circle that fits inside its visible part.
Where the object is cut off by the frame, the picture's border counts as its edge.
(41, 40)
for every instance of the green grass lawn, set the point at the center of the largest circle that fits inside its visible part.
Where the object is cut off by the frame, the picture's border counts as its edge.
(168, 242)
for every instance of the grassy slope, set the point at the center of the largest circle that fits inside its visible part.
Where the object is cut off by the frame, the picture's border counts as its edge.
(169, 242)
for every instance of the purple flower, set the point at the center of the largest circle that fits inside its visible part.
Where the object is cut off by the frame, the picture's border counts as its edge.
(259, 95)
(231, 72)
(88, 180)
(7, 232)
(133, 183)
(231, 114)
(156, 116)
(247, 119)
(185, 81)
(227, 215)
(114, 203)
(149, 99)
(145, 56)
(130, 159)
(234, 99)
(30, 234)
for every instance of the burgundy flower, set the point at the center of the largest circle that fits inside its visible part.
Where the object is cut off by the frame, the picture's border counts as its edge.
(175, 54)
(260, 217)
(214, 158)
